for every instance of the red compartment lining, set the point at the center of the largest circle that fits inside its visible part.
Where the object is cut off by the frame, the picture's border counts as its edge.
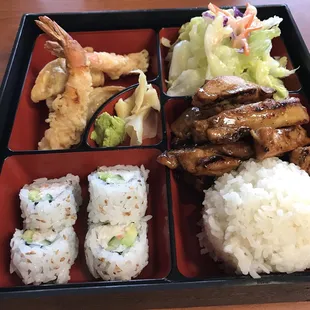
(23, 169)
(29, 124)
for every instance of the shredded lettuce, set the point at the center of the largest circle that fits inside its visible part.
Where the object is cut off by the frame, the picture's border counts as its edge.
(187, 82)
(188, 62)
(204, 50)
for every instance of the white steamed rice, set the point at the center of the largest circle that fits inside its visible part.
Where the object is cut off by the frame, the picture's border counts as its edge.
(257, 219)
(56, 214)
(118, 203)
(38, 264)
(110, 265)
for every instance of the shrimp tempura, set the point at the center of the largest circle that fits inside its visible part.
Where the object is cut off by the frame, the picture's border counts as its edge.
(68, 116)
(110, 63)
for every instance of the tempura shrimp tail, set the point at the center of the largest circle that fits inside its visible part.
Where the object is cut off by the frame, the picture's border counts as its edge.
(53, 30)
(73, 51)
(54, 48)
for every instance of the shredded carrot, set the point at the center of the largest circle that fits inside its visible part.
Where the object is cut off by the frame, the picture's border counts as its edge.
(249, 23)
(246, 48)
(243, 26)
(211, 7)
(247, 9)
(250, 9)
(243, 21)
(249, 30)
(243, 38)
(215, 9)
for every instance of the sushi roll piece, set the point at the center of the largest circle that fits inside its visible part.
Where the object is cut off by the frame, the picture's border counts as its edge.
(118, 195)
(51, 204)
(43, 257)
(117, 252)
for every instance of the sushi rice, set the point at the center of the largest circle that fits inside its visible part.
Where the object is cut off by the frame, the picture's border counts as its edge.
(51, 204)
(118, 195)
(43, 257)
(117, 252)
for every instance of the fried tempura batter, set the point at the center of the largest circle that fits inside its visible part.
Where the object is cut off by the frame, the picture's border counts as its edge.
(100, 95)
(69, 116)
(110, 63)
(52, 80)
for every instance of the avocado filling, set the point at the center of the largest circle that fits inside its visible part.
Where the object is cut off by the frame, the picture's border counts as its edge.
(49, 197)
(110, 177)
(27, 236)
(32, 238)
(35, 196)
(123, 241)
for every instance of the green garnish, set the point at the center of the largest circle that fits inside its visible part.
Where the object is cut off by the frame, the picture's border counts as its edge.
(130, 236)
(110, 178)
(34, 195)
(46, 242)
(109, 130)
(127, 240)
(49, 197)
(113, 244)
(27, 235)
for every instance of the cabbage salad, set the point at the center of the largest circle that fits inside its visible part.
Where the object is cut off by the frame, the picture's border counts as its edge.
(226, 42)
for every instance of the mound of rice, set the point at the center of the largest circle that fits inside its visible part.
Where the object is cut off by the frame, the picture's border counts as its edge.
(257, 219)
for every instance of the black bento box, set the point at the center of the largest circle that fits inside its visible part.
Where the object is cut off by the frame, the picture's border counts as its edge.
(175, 260)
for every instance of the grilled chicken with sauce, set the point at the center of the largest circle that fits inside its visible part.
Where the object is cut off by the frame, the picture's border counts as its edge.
(221, 135)
(217, 95)
(182, 126)
(211, 160)
(301, 158)
(270, 142)
(232, 89)
(200, 162)
(267, 113)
